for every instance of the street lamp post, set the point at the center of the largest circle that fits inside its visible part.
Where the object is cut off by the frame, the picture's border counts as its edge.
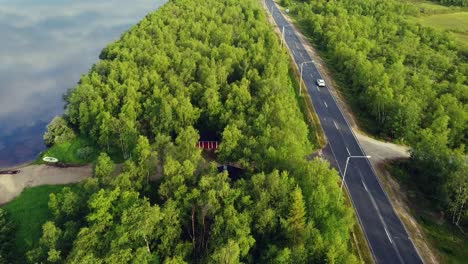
(283, 40)
(300, 80)
(346, 167)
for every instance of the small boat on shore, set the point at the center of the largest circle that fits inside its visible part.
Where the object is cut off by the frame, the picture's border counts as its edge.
(10, 172)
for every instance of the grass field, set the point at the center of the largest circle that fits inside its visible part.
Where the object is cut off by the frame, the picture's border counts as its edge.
(457, 22)
(453, 19)
(68, 152)
(450, 243)
(30, 211)
(427, 7)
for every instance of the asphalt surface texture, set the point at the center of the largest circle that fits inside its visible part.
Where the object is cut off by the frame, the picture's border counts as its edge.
(385, 233)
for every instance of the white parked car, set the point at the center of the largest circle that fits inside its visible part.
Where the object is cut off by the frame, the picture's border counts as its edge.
(320, 82)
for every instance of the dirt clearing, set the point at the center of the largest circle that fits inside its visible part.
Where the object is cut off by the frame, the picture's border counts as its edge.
(35, 175)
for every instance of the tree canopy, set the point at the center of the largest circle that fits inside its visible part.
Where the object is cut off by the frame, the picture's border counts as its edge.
(190, 68)
(7, 238)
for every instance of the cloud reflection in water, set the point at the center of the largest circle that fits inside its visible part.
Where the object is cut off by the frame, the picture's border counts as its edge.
(45, 47)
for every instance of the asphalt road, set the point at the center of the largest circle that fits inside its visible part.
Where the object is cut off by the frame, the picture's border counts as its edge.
(387, 237)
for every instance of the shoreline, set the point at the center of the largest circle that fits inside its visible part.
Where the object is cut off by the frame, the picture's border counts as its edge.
(32, 175)
(17, 167)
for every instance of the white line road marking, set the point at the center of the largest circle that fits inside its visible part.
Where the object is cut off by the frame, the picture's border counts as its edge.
(325, 104)
(381, 220)
(293, 52)
(363, 184)
(348, 152)
(335, 125)
(388, 235)
(311, 75)
(317, 88)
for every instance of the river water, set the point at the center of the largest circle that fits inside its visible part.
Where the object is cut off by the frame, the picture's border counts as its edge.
(45, 46)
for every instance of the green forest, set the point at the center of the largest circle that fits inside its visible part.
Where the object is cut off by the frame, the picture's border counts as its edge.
(408, 81)
(188, 70)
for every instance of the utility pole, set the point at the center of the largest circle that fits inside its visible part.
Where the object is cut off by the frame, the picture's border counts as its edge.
(283, 40)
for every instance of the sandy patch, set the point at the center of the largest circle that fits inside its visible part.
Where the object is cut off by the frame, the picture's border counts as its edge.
(35, 175)
(382, 151)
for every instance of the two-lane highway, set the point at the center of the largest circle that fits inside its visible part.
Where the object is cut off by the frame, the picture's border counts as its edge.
(387, 237)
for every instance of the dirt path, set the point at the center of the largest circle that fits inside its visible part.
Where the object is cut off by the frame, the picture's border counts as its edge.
(34, 175)
(382, 151)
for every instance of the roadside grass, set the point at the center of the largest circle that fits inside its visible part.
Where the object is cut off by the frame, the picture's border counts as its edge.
(451, 244)
(68, 152)
(316, 135)
(366, 124)
(30, 211)
(358, 242)
(449, 241)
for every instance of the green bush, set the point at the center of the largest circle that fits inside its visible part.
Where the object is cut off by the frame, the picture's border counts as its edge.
(58, 132)
(85, 153)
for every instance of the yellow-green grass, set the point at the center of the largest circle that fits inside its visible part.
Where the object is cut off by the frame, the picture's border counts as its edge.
(457, 22)
(463, 39)
(454, 22)
(29, 212)
(450, 18)
(430, 8)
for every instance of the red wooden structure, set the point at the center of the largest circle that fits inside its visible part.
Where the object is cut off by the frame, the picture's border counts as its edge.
(208, 144)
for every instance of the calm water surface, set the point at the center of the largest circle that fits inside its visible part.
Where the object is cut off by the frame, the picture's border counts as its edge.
(45, 46)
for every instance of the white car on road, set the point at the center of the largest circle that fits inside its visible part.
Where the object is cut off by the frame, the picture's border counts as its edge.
(321, 82)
